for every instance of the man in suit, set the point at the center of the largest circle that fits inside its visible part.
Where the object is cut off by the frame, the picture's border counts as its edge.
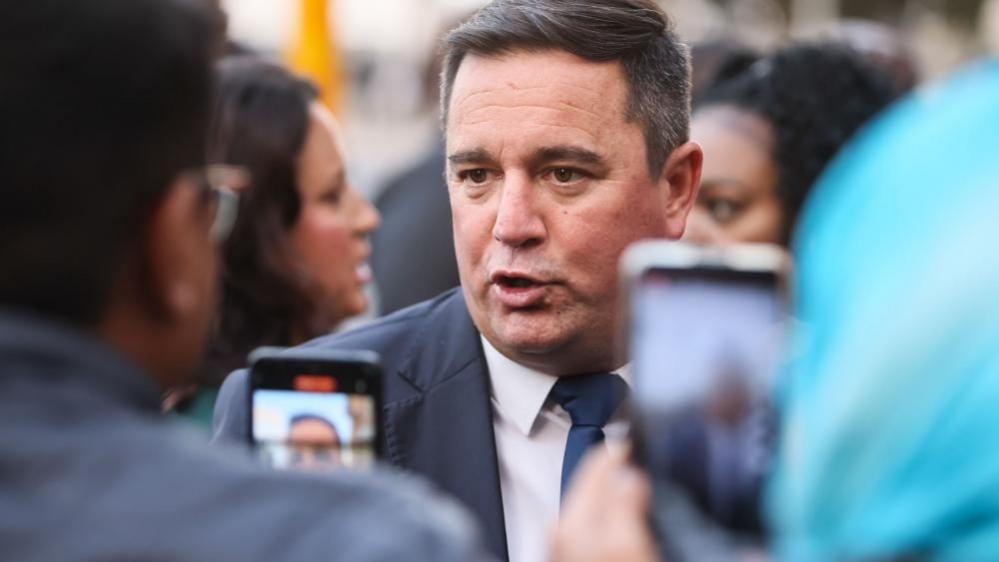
(566, 125)
(107, 290)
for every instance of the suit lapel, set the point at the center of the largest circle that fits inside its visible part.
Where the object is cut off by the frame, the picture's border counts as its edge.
(445, 429)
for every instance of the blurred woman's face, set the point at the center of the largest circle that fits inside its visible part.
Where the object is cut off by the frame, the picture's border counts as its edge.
(738, 200)
(334, 221)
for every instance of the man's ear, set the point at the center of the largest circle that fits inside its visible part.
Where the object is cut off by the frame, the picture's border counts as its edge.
(176, 234)
(681, 175)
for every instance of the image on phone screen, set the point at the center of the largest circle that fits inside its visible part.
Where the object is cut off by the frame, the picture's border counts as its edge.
(705, 346)
(313, 431)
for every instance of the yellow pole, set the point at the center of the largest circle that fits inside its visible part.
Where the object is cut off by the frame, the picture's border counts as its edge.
(313, 52)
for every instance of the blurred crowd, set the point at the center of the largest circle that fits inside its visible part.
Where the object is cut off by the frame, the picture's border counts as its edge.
(177, 196)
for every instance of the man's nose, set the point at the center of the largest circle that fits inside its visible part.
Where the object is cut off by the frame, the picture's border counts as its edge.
(518, 220)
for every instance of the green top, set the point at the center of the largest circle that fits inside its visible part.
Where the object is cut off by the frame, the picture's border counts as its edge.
(199, 408)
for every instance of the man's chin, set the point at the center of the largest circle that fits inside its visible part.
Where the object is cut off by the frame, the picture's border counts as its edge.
(530, 336)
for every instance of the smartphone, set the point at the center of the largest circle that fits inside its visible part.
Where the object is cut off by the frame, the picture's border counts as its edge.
(704, 332)
(315, 410)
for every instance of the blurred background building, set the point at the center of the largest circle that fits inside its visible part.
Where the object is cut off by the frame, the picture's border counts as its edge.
(375, 60)
(381, 52)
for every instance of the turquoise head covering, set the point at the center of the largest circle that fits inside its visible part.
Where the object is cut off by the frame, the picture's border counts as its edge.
(891, 402)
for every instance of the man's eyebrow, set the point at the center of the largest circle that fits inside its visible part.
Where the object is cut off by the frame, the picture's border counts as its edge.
(567, 153)
(469, 156)
(540, 156)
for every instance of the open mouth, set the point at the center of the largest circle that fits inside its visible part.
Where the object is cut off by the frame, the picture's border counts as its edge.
(513, 282)
(519, 291)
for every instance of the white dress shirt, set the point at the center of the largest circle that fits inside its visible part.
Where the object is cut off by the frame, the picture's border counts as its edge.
(530, 441)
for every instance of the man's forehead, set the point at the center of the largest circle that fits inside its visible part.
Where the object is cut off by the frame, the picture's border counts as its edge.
(552, 96)
(549, 76)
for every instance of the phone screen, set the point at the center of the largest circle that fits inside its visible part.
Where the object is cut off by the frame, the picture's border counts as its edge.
(704, 346)
(314, 422)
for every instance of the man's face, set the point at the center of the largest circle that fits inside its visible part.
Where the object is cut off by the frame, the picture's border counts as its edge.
(548, 184)
(314, 445)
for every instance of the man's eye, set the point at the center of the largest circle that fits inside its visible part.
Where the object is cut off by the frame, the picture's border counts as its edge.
(723, 210)
(478, 175)
(566, 175)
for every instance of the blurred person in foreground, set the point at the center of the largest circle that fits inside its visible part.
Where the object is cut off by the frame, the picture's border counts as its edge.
(295, 264)
(889, 450)
(226, 45)
(768, 132)
(566, 126)
(106, 297)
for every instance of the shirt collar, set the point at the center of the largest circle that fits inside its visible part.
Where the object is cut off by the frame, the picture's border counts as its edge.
(520, 392)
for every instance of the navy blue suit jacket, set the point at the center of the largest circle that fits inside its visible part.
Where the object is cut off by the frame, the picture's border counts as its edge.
(437, 418)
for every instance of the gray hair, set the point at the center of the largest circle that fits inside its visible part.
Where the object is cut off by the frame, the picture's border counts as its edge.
(637, 33)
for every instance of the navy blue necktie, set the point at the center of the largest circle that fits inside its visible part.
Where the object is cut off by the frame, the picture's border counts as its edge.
(591, 401)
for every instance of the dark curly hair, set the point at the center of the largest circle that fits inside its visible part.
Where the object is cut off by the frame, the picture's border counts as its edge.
(260, 122)
(815, 96)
